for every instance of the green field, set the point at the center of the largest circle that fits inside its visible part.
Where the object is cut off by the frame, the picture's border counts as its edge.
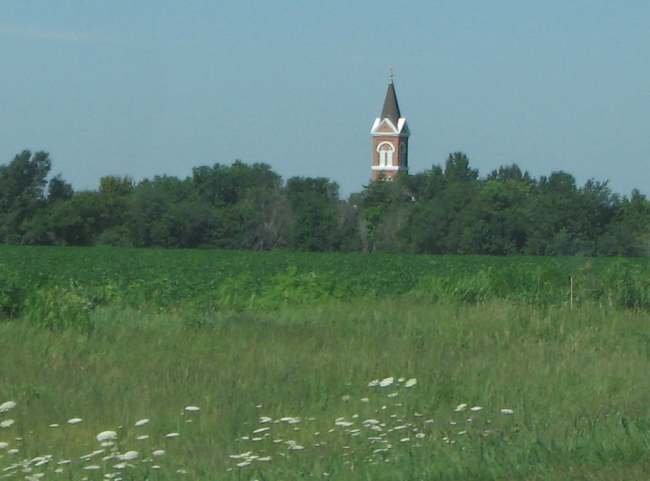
(277, 350)
(205, 280)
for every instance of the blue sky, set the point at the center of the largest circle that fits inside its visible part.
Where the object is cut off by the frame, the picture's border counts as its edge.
(157, 87)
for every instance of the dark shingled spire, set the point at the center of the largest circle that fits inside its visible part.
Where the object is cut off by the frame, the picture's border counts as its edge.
(391, 107)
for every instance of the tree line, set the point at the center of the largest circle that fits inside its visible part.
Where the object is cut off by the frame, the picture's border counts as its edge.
(447, 209)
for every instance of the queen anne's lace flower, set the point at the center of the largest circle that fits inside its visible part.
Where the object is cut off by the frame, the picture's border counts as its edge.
(6, 406)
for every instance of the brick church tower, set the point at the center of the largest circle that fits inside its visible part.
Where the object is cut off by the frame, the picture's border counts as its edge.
(390, 138)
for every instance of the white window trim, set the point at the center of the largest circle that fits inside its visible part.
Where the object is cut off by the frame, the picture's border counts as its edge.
(386, 157)
(387, 167)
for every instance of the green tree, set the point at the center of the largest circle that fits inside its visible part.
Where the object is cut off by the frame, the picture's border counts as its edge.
(457, 168)
(58, 190)
(498, 218)
(314, 205)
(22, 192)
(552, 223)
(166, 212)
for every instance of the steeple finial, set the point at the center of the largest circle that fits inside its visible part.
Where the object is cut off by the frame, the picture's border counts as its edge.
(391, 74)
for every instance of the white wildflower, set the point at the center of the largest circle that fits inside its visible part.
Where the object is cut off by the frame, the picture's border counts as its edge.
(128, 456)
(386, 382)
(172, 435)
(265, 419)
(192, 408)
(91, 455)
(507, 411)
(106, 436)
(475, 408)
(290, 420)
(42, 460)
(460, 407)
(6, 423)
(74, 420)
(411, 382)
(141, 422)
(365, 400)
(159, 452)
(341, 422)
(261, 430)
(240, 456)
(373, 383)
(54, 425)
(4, 445)
(91, 467)
(142, 437)
(6, 406)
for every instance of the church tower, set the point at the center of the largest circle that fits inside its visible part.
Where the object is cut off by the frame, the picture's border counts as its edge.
(390, 138)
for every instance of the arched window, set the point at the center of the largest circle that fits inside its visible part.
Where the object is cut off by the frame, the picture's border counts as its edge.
(386, 151)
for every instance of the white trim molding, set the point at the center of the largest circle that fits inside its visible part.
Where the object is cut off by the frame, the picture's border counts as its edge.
(400, 130)
(385, 142)
(388, 167)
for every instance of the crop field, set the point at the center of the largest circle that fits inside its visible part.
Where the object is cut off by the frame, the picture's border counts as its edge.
(131, 364)
(80, 279)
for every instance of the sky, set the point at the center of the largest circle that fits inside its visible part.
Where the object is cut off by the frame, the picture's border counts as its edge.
(117, 87)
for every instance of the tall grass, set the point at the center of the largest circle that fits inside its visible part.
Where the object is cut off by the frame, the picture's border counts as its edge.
(576, 381)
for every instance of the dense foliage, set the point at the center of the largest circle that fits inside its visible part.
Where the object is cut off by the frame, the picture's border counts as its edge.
(443, 210)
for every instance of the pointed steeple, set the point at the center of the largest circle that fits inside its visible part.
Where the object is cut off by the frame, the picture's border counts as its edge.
(390, 137)
(391, 107)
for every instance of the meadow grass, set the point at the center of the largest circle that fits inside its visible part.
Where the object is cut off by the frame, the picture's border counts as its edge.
(576, 381)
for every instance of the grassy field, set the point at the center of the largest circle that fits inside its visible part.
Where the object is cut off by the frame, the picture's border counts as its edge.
(319, 385)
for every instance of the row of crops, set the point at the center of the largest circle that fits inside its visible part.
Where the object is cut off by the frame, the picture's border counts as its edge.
(62, 282)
